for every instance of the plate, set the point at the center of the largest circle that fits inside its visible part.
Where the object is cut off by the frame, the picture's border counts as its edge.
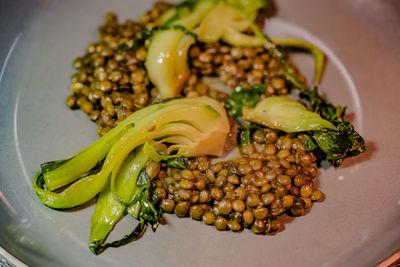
(356, 225)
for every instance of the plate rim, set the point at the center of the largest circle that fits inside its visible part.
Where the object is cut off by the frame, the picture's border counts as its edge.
(14, 260)
(11, 258)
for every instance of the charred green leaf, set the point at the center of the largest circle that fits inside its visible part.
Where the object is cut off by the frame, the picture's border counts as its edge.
(308, 142)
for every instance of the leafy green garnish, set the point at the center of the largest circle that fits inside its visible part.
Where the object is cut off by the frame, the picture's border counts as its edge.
(150, 210)
(243, 97)
(245, 131)
(177, 162)
(146, 209)
(337, 145)
(308, 142)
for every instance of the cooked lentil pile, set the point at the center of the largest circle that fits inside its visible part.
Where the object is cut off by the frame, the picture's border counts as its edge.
(274, 174)
(111, 84)
(238, 66)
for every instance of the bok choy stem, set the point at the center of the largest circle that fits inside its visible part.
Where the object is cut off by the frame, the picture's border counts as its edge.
(184, 127)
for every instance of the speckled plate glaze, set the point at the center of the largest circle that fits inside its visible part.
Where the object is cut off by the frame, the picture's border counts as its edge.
(358, 223)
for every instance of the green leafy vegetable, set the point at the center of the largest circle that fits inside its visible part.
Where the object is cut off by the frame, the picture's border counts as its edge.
(243, 97)
(146, 209)
(177, 162)
(166, 59)
(351, 142)
(308, 142)
(173, 161)
(339, 144)
(321, 106)
(325, 129)
(285, 114)
(214, 23)
(98, 247)
(150, 209)
(113, 166)
(346, 141)
(317, 53)
(107, 213)
(291, 116)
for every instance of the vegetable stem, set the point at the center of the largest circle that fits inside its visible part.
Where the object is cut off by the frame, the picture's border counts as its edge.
(317, 53)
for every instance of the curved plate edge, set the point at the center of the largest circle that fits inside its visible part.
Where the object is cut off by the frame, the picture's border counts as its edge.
(11, 258)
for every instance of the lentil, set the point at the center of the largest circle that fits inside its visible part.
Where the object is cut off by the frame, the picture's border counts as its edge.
(247, 192)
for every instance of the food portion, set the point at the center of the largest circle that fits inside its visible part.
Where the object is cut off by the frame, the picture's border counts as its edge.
(285, 114)
(112, 165)
(194, 108)
(274, 175)
(166, 61)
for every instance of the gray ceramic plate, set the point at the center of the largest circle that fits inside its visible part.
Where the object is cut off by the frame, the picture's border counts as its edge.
(356, 225)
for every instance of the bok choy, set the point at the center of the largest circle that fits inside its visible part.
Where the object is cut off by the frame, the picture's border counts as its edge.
(113, 166)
